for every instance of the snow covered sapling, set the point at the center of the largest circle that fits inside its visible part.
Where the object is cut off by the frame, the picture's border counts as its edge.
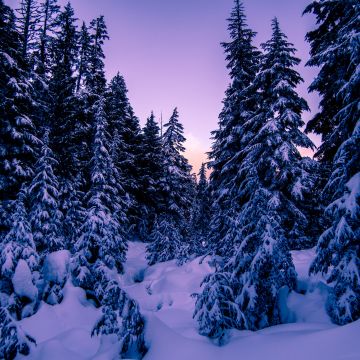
(19, 261)
(55, 273)
(45, 216)
(18, 243)
(216, 310)
(121, 317)
(165, 241)
(13, 340)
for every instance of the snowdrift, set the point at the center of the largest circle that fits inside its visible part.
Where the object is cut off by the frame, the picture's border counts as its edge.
(164, 294)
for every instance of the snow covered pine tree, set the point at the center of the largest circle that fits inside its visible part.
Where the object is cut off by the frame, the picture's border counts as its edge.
(273, 179)
(335, 49)
(242, 58)
(170, 239)
(18, 294)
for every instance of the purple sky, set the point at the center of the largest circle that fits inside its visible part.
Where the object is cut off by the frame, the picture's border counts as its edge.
(169, 53)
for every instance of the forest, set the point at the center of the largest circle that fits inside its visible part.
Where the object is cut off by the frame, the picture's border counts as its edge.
(81, 181)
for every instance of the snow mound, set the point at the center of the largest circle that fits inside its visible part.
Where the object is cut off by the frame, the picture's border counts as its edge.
(64, 331)
(56, 266)
(164, 292)
(23, 282)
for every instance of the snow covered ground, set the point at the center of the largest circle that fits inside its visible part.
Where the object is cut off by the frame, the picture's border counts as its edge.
(164, 294)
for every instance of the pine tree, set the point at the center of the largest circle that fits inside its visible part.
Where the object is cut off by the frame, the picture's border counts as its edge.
(18, 242)
(334, 47)
(166, 242)
(19, 256)
(18, 141)
(94, 86)
(272, 181)
(64, 104)
(121, 316)
(13, 340)
(177, 180)
(96, 81)
(28, 20)
(126, 147)
(269, 182)
(239, 104)
(45, 216)
(150, 164)
(102, 237)
(40, 61)
(49, 10)
(73, 210)
(216, 310)
(338, 250)
(201, 214)
(70, 131)
(338, 23)
(84, 56)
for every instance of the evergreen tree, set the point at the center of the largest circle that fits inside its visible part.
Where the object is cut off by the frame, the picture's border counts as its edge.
(338, 250)
(28, 20)
(18, 141)
(18, 242)
(19, 259)
(272, 181)
(126, 147)
(239, 104)
(41, 60)
(334, 47)
(177, 181)
(73, 210)
(84, 56)
(201, 214)
(49, 10)
(121, 316)
(176, 187)
(338, 23)
(216, 310)
(94, 86)
(13, 340)
(102, 237)
(64, 104)
(151, 161)
(96, 81)
(70, 129)
(45, 216)
(166, 242)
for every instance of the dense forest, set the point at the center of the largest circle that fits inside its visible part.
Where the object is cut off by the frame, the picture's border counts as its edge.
(80, 178)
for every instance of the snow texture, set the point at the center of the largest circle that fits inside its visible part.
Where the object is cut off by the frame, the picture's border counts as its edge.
(23, 282)
(164, 294)
(56, 266)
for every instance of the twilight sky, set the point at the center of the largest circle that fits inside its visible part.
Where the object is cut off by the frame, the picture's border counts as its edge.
(170, 55)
